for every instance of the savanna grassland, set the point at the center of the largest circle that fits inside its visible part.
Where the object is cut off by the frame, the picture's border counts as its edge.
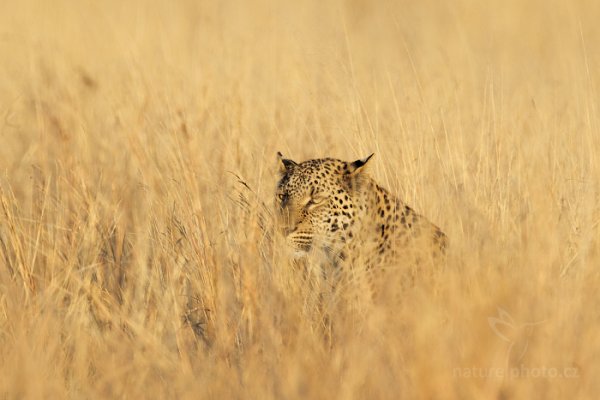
(127, 270)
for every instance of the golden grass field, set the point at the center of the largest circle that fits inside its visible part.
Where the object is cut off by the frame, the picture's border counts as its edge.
(127, 271)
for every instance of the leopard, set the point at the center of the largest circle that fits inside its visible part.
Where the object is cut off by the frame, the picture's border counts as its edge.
(333, 211)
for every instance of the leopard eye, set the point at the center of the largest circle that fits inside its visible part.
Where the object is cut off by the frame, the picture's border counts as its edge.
(282, 197)
(316, 200)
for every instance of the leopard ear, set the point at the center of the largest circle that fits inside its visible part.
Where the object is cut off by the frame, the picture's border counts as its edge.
(357, 166)
(285, 164)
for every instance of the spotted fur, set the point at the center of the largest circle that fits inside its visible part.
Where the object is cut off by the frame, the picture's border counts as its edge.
(333, 208)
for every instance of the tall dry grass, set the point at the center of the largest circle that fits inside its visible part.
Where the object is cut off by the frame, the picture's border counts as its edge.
(125, 271)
